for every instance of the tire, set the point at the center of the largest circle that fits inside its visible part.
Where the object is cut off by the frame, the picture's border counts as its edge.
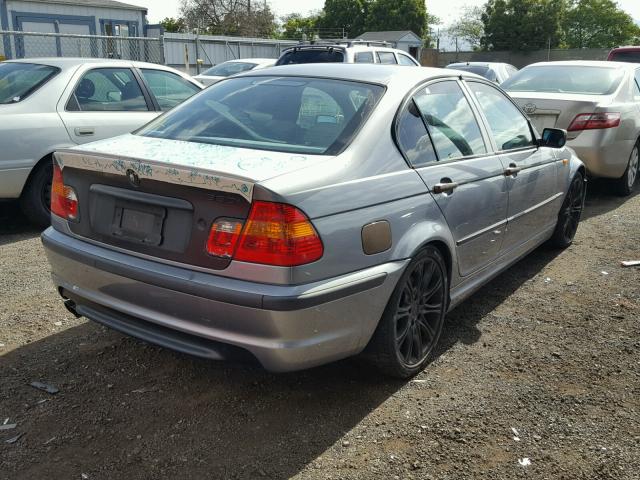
(405, 338)
(570, 213)
(626, 183)
(35, 201)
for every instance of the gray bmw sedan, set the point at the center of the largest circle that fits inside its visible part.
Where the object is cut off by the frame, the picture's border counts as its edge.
(303, 214)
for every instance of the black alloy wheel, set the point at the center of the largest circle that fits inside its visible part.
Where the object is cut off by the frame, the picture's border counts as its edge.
(570, 213)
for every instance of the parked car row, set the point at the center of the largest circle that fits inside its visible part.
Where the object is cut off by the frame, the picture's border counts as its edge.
(300, 214)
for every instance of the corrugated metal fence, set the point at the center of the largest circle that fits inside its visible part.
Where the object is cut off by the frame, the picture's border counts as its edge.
(184, 50)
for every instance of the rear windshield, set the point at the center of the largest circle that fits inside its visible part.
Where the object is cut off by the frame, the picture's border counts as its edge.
(485, 72)
(565, 79)
(227, 69)
(328, 55)
(19, 80)
(631, 56)
(287, 114)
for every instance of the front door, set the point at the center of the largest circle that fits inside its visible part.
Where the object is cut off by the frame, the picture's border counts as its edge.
(104, 103)
(531, 172)
(440, 136)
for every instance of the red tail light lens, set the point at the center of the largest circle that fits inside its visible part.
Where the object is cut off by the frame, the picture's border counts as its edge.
(223, 237)
(64, 201)
(594, 121)
(278, 234)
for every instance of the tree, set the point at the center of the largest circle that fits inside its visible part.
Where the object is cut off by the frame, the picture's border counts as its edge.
(398, 15)
(348, 16)
(522, 24)
(598, 24)
(294, 26)
(173, 25)
(469, 27)
(230, 17)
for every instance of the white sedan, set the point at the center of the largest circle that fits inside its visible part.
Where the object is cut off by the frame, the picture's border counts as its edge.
(53, 103)
(231, 68)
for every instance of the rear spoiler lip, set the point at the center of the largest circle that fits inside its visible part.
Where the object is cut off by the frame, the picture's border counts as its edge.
(155, 170)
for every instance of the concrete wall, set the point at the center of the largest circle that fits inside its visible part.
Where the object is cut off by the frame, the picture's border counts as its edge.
(433, 58)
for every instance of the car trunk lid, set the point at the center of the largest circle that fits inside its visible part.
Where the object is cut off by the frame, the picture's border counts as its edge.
(159, 197)
(556, 110)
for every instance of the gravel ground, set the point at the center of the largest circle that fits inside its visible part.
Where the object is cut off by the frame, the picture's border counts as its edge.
(541, 364)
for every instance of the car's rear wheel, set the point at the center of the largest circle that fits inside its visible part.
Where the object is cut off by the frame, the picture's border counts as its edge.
(570, 213)
(35, 201)
(412, 321)
(627, 182)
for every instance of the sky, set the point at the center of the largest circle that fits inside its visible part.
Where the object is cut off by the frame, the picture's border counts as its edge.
(447, 10)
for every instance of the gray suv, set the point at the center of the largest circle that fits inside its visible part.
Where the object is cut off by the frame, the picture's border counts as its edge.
(355, 51)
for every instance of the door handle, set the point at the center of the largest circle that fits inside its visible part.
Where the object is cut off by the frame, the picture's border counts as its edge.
(444, 187)
(511, 170)
(85, 131)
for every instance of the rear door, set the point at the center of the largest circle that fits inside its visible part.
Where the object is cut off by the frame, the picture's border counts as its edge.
(531, 172)
(105, 102)
(439, 133)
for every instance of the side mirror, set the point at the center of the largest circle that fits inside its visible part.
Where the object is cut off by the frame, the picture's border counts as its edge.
(553, 137)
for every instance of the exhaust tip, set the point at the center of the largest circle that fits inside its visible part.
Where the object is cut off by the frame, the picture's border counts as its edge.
(69, 304)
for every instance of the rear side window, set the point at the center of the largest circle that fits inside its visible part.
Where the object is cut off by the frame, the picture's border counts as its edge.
(364, 57)
(168, 88)
(108, 90)
(405, 60)
(329, 55)
(296, 114)
(451, 122)
(19, 80)
(387, 58)
(413, 137)
(509, 127)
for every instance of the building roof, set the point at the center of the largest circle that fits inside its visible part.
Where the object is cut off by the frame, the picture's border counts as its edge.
(94, 3)
(390, 36)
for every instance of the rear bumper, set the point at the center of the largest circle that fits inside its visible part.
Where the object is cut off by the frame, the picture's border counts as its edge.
(284, 327)
(602, 154)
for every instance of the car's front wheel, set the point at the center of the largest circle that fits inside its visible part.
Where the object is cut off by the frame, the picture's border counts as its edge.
(35, 201)
(626, 183)
(412, 321)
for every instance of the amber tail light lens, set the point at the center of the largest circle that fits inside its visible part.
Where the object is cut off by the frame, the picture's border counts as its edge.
(64, 201)
(274, 234)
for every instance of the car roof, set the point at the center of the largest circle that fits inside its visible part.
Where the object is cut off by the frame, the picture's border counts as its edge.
(477, 64)
(250, 60)
(359, 72)
(68, 62)
(626, 48)
(586, 63)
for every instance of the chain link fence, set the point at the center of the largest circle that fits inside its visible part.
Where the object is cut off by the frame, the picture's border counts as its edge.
(31, 45)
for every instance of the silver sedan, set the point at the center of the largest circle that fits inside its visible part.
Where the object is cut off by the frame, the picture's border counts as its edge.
(233, 67)
(598, 103)
(303, 214)
(52, 103)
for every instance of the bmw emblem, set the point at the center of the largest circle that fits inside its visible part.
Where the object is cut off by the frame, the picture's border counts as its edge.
(133, 178)
(529, 108)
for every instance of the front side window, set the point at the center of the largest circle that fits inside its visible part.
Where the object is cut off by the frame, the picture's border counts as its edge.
(387, 58)
(509, 127)
(297, 114)
(364, 57)
(108, 90)
(19, 80)
(227, 69)
(413, 137)
(451, 122)
(168, 88)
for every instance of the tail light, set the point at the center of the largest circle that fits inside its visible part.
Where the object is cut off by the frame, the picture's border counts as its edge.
(64, 201)
(274, 234)
(594, 121)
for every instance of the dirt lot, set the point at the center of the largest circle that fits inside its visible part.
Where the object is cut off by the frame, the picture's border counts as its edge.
(551, 348)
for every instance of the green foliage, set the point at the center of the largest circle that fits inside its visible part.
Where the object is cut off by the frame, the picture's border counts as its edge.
(345, 15)
(469, 27)
(173, 25)
(598, 24)
(230, 17)
(398, 15)
(295, 26)
(522, 24)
